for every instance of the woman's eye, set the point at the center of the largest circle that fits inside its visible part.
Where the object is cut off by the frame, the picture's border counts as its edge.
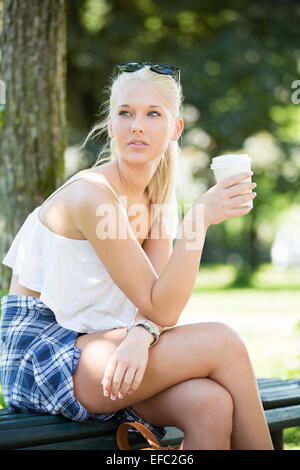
(122, 113)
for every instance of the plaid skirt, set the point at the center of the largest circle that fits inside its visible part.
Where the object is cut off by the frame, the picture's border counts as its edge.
(38, 358)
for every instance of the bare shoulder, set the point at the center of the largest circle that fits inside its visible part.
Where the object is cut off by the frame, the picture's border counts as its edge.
(92, 196)
(90, 186)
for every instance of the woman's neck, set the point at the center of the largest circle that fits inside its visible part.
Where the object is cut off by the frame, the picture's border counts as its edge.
(133, 182)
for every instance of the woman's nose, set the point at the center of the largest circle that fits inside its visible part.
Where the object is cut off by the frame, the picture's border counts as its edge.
(137, 125)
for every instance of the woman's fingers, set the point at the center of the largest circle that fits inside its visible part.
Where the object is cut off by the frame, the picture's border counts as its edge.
(240, 211)
(121, 382)
(220, 200)
(235, 179)
(132, 380)
(125, 369)
(239, 188)
(138, 378)
(234, 202)
(108, 377)
(128, 381)
(117, 380)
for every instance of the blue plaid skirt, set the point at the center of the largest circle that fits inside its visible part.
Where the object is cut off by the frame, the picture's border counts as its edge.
(38, 358)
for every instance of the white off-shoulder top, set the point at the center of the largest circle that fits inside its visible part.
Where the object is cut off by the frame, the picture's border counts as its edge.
(70, 276)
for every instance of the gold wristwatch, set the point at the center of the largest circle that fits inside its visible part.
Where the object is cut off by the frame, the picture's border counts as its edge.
(149, 326)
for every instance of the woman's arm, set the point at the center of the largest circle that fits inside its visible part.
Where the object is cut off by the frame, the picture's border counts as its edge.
(140, 316)
(161, 298)
(158, 249)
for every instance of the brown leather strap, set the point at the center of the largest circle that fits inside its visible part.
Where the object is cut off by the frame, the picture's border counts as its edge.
(122, 436)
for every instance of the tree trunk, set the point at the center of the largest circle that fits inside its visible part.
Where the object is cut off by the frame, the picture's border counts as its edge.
(33, 131)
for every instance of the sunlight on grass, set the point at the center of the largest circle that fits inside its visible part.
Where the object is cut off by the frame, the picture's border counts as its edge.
(267, 322)
(269, 277)
(214, 276)
(220, 276)
(240, 302)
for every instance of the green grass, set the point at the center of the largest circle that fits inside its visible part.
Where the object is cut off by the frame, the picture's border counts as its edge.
(292, 438)
(220, 277)
(266, 315)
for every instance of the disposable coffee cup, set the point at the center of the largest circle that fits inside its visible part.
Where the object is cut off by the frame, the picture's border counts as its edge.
(231, 164)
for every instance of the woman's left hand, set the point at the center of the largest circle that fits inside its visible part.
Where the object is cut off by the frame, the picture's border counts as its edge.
(126, 367)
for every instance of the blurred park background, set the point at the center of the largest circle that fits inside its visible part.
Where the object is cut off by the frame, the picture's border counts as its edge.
(240, 71)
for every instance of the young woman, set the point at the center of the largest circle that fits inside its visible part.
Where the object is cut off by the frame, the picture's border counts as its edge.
(84, 271)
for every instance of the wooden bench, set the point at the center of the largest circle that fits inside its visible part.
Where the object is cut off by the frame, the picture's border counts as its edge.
(281, 401)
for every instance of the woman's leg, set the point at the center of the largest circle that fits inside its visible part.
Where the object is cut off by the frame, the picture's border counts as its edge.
(197, 350)
(201, 408)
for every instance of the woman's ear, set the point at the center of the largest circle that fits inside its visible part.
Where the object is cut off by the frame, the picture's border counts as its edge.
(109, 127)
(179, 124)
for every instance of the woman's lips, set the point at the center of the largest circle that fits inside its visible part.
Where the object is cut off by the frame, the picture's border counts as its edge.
(137, 145)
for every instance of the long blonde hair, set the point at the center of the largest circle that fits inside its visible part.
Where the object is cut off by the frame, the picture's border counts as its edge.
(165, 185)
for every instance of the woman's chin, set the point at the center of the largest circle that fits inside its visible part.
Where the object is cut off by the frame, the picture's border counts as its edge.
(133, 156)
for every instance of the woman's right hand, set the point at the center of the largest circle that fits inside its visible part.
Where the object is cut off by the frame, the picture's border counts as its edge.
(223, 200)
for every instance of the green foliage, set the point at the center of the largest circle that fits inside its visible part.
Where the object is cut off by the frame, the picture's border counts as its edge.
(238, 61)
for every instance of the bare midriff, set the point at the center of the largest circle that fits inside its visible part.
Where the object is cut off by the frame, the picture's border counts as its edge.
(17, 289)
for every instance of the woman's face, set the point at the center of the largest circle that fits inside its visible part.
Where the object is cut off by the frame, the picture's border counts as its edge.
(141, 112)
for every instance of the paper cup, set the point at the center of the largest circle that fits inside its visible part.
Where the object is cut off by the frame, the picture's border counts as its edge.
(231, 164)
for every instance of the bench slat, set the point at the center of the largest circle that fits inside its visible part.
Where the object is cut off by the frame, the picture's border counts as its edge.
(282, 418)
(54, 433)
(276, 382)
(274, 400)
(29, 420)
(280, 388)
(108, 442)
(264, 382)
(93, 443)
(36, 431)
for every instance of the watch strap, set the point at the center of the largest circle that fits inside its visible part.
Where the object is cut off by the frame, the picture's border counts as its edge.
(149, 326)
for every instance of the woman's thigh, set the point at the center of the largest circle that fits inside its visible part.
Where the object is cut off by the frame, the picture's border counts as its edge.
(182, 352)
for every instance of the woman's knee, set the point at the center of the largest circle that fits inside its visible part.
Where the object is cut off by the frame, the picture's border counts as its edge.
(219, 408)
(216, 414)
(215, 402)
(206, 403)
(231, 344)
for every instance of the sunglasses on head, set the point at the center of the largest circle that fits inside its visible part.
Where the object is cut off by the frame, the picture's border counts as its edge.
(164, 69)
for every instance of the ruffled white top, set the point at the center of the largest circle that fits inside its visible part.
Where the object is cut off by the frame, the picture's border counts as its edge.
(70, 276)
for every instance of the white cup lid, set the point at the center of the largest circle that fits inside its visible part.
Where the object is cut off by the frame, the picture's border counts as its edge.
(225, 161)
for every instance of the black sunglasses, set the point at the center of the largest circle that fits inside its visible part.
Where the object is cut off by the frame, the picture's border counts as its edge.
(164, 69)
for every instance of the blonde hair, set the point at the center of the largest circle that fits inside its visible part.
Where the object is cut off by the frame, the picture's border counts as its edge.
(165, 184)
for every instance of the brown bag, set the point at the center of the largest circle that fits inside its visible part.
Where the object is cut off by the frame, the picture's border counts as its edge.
(122, 437)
